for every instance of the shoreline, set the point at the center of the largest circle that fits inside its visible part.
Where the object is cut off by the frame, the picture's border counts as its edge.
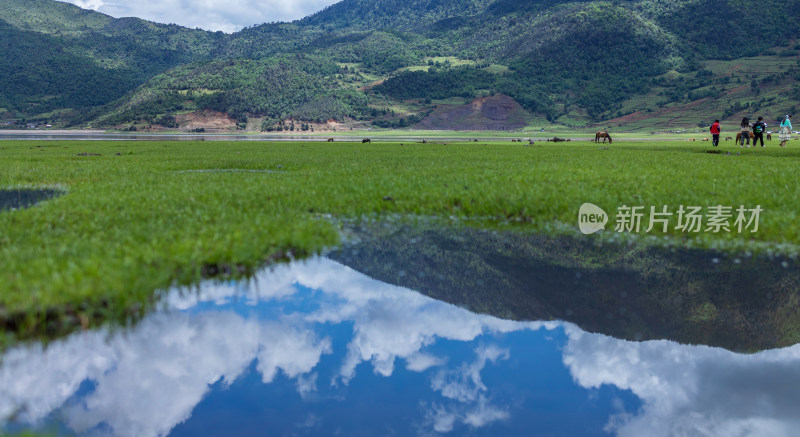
(411, 136)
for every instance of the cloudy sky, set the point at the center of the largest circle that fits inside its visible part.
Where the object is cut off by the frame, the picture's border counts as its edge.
(225, 15)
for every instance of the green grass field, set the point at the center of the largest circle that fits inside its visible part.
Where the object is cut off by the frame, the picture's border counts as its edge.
(141, 217)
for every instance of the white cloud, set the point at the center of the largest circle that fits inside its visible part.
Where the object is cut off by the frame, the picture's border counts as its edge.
(691, 390)
(306, 383)
(295, 351)
(37, 381)
(420, 362)
(162, 372)
(476, 414)
(442, 420)
(224, 15)
(483, 414)
(464, 384)
(149, 380)
(88, 4)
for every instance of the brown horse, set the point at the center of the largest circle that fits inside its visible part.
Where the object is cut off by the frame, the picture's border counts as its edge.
(603, 135)
(739, 137)
(769, 137)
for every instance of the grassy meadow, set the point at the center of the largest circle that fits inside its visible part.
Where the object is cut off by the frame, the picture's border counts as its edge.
(137, 217)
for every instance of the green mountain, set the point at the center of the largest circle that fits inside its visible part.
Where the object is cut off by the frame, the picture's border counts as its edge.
(391, 63)
(58, 57)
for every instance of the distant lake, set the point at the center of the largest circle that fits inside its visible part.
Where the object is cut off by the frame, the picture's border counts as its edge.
(101, 136)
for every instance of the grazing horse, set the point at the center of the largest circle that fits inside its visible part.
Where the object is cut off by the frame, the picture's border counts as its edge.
(729, 138)
(330, 140)
(739, 136)
(366, 140)
(603, 135)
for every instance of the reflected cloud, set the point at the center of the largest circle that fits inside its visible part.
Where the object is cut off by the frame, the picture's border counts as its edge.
(484, 414)
(146, 381)
(691, 390)
(35, 381)
(291, 350)
(150, 379)
(421, 362)
(162, 371)
(442, 420)
(465, 384)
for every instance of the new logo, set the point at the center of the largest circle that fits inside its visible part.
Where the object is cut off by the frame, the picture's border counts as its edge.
(591, 218)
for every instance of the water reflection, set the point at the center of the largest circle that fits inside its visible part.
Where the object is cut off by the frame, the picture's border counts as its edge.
(316, 348)
(18, 198)
(741, 303)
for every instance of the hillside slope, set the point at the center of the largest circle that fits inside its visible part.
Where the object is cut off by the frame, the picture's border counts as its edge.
(58, 57)
(387, 62)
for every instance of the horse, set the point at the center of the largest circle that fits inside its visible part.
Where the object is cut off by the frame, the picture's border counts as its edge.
(366, 140)
(729, 138)
(769, 137)
(330, 140)
(603, 135)
(739, 136)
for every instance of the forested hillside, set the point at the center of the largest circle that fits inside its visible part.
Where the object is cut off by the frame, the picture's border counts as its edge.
(391, 62)
(58, 57)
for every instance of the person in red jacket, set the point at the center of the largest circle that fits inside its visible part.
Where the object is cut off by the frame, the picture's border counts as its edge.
(715, 133)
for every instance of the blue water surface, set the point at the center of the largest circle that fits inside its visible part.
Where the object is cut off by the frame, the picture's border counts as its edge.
(316, 348)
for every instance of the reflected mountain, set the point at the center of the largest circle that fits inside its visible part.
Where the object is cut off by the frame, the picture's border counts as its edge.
(630, 292)
(316, 348)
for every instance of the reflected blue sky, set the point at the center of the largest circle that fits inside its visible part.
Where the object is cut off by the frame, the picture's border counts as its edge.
(315, 348)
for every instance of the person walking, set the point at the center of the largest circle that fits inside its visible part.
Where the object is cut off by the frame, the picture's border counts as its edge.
(715, 130)
(786, 130)
(758, 131)
(745, 127)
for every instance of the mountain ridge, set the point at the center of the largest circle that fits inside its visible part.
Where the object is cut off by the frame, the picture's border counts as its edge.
(381, 63)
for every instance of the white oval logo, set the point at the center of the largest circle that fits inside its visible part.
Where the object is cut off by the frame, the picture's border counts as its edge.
(591, 218)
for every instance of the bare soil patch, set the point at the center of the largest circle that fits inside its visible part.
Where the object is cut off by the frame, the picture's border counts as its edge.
(498, 112)
(211, 121)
